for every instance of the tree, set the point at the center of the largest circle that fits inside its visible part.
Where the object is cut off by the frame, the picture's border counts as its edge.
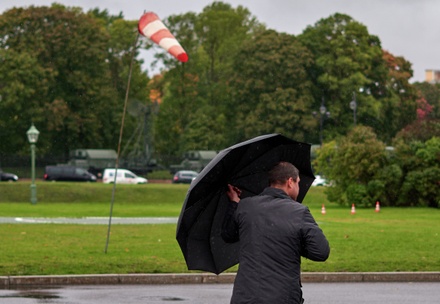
(420, 130)
(348, 60)
(123, 49)
(72, 47)
(399, 107)
(420, 162)
(272, 91)
(199, 90)
(431, 94)
(362, 171)
(221, 30)
(354, 165)
(82, 65)
(22, 85)
(205, 132)
(178, 108)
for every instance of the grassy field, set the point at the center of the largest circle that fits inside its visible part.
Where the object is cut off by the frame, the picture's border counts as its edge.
(394, 239)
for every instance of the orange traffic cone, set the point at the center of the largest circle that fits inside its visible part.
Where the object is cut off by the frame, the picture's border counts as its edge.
(377, 207)
(323, 209)
(353, 209)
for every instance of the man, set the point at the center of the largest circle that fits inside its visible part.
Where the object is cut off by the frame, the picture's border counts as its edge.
(274, 232)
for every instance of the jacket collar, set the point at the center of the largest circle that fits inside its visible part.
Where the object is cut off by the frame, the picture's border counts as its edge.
(275, 192)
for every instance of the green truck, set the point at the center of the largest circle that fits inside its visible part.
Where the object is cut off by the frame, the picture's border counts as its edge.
(93, 160)
(194, 160)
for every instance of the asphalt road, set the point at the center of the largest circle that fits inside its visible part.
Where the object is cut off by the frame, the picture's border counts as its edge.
(314, 293)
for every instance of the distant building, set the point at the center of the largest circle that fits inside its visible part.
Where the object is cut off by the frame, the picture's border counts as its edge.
(432, 76)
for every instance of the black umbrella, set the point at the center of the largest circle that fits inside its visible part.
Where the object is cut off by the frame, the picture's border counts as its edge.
(244, 165)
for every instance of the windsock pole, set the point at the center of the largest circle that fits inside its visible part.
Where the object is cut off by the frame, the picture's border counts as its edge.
(121, 131)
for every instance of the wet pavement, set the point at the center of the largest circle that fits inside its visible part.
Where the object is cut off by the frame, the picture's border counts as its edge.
(314, 293)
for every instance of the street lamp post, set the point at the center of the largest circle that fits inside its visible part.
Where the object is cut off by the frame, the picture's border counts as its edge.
(32, 135)
(324, 113)
(353, 106)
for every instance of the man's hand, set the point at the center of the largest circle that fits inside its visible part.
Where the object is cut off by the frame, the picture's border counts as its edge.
(233, 193)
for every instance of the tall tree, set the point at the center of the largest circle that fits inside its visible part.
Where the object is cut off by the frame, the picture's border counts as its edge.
(350, 62)
(399, 105)
(211, 39)
(272, 89)
(22, 90)
(83, 61)
(73, 47)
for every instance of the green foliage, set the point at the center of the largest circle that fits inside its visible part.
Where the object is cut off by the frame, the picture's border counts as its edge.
(419, 130)
(67, 71)
(71, 66)
(376, 189)
(205, 131)
(421, 188)
(196, 95)
(390, 180)
(431, 93)
(348, 60)
(421, 162)
(272, 89)
(362, 172)
(357, 194)
(353, 163)
(20, 99)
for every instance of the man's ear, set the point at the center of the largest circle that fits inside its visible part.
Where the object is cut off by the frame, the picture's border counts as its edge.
(290, 181)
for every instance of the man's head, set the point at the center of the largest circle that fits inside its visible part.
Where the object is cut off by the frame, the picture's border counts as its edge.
(285, 176)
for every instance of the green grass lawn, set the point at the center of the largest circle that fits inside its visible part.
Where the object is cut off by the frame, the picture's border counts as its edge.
(92, 199)
(394, 239)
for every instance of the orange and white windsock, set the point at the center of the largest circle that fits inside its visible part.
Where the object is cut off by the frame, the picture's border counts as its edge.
(152, 27)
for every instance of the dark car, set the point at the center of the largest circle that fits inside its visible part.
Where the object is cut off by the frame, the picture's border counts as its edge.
(68, 173)
(8, 177)
(184, 177)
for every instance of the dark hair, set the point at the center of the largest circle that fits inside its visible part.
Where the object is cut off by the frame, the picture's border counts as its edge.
(281, 172)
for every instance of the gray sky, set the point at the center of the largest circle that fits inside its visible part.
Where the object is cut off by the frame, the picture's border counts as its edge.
(408, 28)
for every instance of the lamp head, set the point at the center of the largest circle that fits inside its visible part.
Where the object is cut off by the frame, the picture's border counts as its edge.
(32, 134)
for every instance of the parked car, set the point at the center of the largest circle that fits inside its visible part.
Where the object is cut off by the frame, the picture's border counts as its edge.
(68, 173)
(319, 181)
(124, 176)
(8, 177)
(184, 177)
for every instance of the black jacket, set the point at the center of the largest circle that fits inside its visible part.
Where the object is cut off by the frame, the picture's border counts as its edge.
(274, 232)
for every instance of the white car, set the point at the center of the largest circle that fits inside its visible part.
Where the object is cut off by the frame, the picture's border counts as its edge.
(319, 181)
(124, 176)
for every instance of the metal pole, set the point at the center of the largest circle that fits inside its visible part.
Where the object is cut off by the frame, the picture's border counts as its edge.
(33, 185)
(321, 121)
(354, 108)
(322, 111)
(120, 141)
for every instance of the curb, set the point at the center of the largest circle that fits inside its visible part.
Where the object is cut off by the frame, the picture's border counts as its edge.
(11, 282)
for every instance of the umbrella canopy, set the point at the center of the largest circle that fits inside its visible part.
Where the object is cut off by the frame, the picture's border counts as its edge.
(244, 165)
